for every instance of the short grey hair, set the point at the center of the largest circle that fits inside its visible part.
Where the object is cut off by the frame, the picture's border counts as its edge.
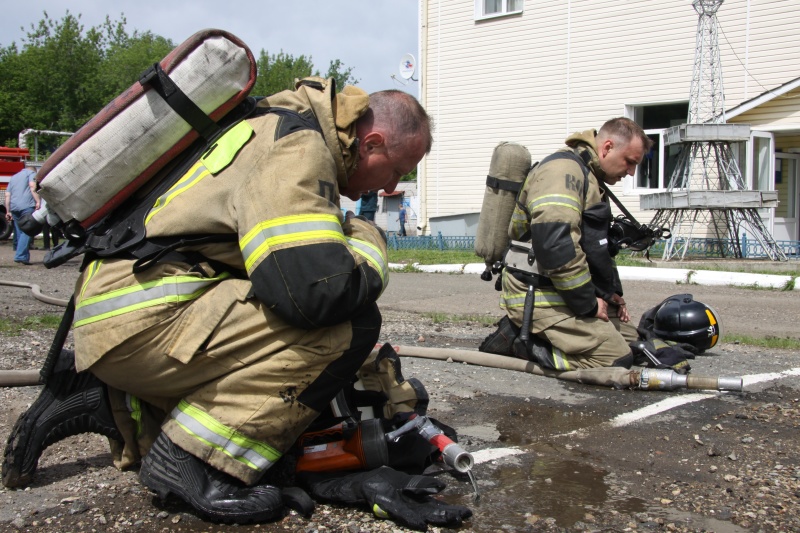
(625, 129)
(400, 115)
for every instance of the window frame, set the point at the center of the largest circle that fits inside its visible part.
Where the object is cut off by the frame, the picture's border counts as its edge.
(504, 11)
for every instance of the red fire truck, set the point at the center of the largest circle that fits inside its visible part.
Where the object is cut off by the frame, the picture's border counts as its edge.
(12, 160)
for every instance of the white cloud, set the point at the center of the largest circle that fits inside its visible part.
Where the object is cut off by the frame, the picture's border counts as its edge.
(371, 36)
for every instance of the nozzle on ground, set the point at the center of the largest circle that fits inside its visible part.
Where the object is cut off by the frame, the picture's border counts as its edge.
(457, 458)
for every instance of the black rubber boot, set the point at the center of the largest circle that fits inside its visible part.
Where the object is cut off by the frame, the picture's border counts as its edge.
(168, 469)
(536, 349)
(501, 342)
(69, 404)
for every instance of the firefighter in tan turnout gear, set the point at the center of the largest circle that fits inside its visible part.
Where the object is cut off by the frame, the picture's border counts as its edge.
(579, 317)
(241, 344)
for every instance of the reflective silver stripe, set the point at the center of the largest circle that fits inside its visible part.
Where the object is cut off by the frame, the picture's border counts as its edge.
(519, 217)
(162, 291)
(540, 299)
(218, 441)
(563, 200)
(548, 299)
(373, 255)
(559, 360)
(288, 229)
(516, 300)
(573, 282)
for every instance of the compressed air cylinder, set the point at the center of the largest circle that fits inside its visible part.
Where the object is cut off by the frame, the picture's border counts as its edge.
(507, 171)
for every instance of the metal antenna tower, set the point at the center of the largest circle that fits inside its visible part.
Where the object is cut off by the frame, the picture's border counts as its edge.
(706, 196)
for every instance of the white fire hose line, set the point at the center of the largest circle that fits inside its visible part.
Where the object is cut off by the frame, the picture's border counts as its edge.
(492, 454)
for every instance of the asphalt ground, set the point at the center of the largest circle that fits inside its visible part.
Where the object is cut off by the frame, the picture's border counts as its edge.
(551, 455)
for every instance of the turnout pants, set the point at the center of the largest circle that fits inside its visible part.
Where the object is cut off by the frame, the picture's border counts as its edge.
(580, 342)
(245, 396)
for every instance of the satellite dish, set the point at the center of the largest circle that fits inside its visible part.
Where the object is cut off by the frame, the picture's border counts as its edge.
(408, 65)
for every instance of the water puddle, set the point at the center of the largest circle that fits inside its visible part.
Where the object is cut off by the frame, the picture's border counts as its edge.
(517, 492)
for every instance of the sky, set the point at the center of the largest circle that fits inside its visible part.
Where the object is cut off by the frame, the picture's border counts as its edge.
(369, 36)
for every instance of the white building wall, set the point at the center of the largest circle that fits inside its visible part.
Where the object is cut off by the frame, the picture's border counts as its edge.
(568, 65)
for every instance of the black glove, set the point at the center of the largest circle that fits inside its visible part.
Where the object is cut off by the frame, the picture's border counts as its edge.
(647, 335)
(404, 498)
(297, 499)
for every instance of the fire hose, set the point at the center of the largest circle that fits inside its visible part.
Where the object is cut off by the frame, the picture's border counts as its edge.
(643, 379)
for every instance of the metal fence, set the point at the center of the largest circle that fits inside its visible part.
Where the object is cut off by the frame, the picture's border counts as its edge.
(705, 248)
(430, 242)
(713, 248)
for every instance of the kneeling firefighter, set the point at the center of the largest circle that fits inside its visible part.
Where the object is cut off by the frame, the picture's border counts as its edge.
(560, 286)
(369, 447)
(247, 303)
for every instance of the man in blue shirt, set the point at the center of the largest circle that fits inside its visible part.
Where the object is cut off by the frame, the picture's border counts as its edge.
(21, 200)
(402, 220)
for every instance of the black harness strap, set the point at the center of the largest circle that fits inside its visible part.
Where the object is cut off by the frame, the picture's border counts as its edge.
(164, 249)
(503, 185)
(160, 81)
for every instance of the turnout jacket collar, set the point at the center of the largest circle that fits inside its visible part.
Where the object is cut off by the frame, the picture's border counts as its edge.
(336, 113)
(585, 142)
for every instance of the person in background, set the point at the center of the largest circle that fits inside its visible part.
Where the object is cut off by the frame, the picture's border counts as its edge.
(580, 318)
(369, 205)
(22, 199)
(402, 219)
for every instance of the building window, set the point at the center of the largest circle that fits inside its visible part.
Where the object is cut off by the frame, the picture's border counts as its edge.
(657, 166)
(485, 9)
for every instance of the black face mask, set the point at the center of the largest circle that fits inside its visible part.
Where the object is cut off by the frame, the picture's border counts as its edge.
(627, 234)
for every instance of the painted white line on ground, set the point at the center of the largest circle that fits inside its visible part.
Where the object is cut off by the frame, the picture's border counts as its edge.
(490, 454)
(659, 407)
(758, 378)
(624, 419)
(664, 405)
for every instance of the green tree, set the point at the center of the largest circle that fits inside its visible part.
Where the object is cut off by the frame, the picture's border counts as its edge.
(63, 74)
(278, 72)
(126, 57)
(342, 75)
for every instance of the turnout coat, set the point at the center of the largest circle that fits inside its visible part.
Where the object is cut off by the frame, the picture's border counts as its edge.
(242, 343)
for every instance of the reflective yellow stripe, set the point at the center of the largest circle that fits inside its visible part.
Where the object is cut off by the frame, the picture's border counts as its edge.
(562, 200)
(91, 270)
(187, 181)
(135, 410)
(572, 282)
(283, 230)
(216, 158)
(559, 360)
(172, 289)
(519, 222)
(202, 426)
(380, 513)
(373, 255)
(541, 298)
(224, 151)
